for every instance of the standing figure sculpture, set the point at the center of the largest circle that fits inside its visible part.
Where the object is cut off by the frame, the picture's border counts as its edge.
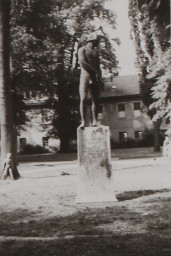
(8, 167)
(90, 78)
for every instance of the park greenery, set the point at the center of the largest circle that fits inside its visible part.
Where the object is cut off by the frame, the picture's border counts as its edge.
(150, 22)
(45, 37)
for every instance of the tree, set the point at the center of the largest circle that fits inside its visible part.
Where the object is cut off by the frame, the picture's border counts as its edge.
(45, 39)
(149, 20)
(94, 18)
(8, 137)
(162, 88)
(160, 69)
(38, 39)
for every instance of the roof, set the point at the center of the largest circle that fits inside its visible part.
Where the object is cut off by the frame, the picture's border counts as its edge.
(121, 86)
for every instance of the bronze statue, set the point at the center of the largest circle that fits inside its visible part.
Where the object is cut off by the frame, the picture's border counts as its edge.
(90, 78)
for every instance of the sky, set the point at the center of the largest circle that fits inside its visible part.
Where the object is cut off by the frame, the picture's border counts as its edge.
(126, 51)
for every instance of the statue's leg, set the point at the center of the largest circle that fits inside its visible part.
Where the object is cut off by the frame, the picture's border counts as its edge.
(11, 173)
(5, 173)
(94, 113)
(94, 92)
(83, 89)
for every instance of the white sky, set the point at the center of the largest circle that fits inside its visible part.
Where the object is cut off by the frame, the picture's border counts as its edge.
(125, 52)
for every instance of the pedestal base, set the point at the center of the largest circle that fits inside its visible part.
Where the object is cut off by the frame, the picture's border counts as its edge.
(95, 181)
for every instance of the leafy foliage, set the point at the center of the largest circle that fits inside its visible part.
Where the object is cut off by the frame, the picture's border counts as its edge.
(33, 149)
(162, 89)
(45, 37)
(150, 31)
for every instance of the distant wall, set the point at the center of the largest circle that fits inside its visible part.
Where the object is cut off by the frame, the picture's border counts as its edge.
(35, 132)
(129, 124)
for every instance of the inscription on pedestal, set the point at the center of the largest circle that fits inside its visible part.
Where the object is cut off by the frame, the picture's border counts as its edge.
(95, 179)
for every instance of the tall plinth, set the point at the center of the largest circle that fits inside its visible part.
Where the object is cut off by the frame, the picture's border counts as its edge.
(95, 177)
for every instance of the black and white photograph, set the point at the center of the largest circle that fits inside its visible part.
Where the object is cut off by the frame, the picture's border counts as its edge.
(85, 128)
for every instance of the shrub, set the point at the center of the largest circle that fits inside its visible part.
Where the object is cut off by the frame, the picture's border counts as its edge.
(129, 143)
(33, 149)
(146, 141)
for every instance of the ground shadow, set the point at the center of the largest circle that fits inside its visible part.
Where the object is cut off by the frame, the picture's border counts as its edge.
(80, 235)
(50, 157)
(128, 195)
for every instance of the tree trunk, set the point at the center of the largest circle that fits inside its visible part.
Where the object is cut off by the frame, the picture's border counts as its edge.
(157, 136)
(64, 145)
(6, 116)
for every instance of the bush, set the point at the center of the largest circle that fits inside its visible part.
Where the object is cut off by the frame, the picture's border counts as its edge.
(129, 143)
(73, 146)
(148, 138)
(147, 141)
(33, 149)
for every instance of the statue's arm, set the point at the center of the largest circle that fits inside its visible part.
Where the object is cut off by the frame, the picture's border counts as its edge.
(3, 165)
(83, 62)
(12, 165)
(99, 72)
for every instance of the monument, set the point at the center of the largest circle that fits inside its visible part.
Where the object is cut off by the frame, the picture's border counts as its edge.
(95, 179)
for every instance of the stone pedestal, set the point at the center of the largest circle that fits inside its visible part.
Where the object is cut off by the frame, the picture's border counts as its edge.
(95, 181)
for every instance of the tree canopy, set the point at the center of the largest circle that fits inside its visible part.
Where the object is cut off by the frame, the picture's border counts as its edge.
(151, 33)
(46, 35)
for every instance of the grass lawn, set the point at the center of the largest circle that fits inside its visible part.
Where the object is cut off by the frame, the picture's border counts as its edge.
(142, 228)
(115, 153)
(39, 215)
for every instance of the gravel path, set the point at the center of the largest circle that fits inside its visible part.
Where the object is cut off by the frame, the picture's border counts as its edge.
(43, 188)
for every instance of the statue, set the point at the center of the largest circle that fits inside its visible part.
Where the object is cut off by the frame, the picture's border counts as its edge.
(8, 167)
(90, 78)
(165, 146)
(95, 182)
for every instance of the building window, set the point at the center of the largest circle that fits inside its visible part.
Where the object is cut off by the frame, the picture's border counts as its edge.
(45, 141)
(27, 95)
(45, 116)
(121, 110)
(137, 108)
(168, 121)
(33, 94)
(100, 112)
(123, 136)
(138, 135)
(22, 142)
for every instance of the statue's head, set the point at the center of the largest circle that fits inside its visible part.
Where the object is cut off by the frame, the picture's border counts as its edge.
(93, 37)
(168, 133)
(9, 155)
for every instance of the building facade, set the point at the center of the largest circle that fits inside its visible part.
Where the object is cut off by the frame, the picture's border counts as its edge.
(36, 130)
(121, 108)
